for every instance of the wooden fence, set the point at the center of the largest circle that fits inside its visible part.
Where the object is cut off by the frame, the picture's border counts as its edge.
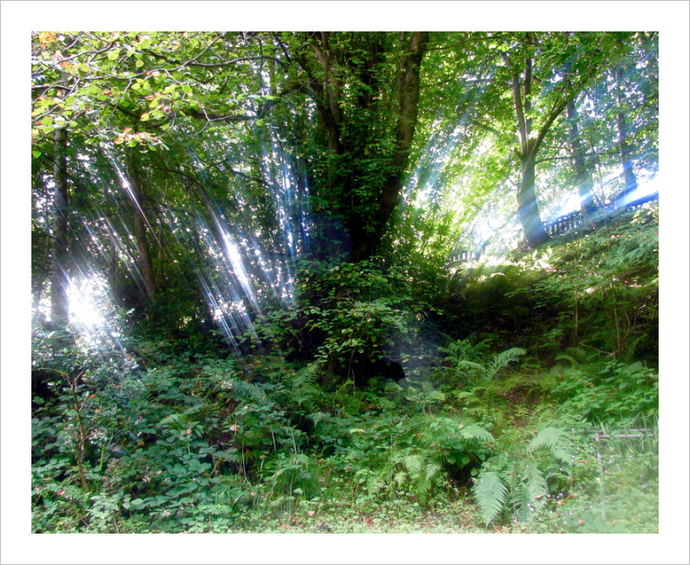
(559, 226)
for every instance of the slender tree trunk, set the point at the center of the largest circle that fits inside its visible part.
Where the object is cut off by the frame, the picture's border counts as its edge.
(582, 176)
(623, 145)
(59, 280)
(140, 231)
(528, 209)
(112, 269)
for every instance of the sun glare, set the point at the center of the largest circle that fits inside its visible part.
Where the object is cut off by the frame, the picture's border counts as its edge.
(91, 310)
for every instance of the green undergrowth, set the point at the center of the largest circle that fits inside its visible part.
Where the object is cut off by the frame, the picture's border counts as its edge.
(486, 442)
(519, 397)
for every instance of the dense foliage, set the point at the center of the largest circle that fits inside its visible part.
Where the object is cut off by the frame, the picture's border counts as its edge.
(266, 297)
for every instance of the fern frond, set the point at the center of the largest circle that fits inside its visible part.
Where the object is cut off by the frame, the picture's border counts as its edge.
(491, 494)
(422, 489)
(464, 364)
(414, 464)
(248, 391)
(400, 477)
(564, 357)
(502, 359)
(535, 481)
(473, 431)
(556, 441)
(309, 374)
(173, 419)
(317, 417)
(523, 508)
(432, 469)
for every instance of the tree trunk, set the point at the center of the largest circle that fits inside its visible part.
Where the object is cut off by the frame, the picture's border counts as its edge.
(528, 210)
(365, 239)
(140, 232)
(623, 145)
(59, 281)
(582, 176)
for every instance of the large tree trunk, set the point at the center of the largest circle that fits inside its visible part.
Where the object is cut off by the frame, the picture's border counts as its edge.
(582, 176)
(59, 280)
(365, 216)
(365, 239)
(528, 210)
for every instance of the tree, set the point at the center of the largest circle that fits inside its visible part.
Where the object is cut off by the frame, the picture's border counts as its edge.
(256, 149)
(559, 66)
(134, 187)
(617, 117)
(59, 280)
(630, 180)
(583, 175)
(634, 81)
(366, 90)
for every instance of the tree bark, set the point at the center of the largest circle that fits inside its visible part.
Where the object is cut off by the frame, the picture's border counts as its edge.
(529, 144)
(629, 177)
(140, 232)
(366, 221)
(59, 280)
(366, 241)
(528, 209)
(582, 176)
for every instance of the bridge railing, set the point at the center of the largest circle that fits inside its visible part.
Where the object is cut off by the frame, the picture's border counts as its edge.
(560, 225)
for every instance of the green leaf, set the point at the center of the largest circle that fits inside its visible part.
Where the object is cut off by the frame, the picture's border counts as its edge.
(555, 441)
(474, 431)
(491, 494)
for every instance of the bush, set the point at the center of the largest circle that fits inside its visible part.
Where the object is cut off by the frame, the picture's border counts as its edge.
(348, 318)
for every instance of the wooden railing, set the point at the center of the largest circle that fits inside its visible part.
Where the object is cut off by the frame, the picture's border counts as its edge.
(565, 223)
(559, 226)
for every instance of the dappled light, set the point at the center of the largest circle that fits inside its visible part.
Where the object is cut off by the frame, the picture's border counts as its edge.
(345, 281)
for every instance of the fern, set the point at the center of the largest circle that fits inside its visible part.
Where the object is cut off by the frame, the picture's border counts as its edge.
(464, 364)
(502, 359)
(522, 504)
(568, 358)
(421, 472)
(554, 440)
(248, 391)
(422, 487)
(534, 479)
(491, 494)
(173, 419)
(413, 464)
(474, 431)
(303, 386)
(499, 361)
(400, 478)
(516, 482)
(433, 468)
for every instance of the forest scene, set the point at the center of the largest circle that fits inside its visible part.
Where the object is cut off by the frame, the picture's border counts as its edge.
(345, 282)
(405, 279)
